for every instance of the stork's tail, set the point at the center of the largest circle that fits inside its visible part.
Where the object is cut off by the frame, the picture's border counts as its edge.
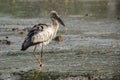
(26, 44)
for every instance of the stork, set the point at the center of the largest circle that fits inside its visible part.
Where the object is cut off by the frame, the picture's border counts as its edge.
(41, 34)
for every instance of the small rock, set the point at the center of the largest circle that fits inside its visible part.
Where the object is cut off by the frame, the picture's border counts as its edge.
(6, 37)
(21, 33)
(59, 38)
(15, 29)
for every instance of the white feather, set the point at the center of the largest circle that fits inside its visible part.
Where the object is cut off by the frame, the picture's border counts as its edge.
(44, 36)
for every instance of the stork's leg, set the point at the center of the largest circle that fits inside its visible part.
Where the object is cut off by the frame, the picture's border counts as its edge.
(41, 62)
(35, 54)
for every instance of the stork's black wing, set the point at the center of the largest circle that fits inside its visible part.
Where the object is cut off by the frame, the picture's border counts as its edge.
(34, 30)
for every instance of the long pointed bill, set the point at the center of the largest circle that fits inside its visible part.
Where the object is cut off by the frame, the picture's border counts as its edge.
(60, 21)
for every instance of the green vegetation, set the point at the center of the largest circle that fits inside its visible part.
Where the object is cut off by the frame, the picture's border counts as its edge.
(28, 9)
(37, 75)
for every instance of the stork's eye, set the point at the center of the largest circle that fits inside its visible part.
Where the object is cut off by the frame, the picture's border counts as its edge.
(54, 15)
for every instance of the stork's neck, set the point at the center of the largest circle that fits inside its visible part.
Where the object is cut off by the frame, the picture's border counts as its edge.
(55, 26)
(55, 23)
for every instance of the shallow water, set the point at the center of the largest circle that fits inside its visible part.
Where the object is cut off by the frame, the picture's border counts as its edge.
(90, 46)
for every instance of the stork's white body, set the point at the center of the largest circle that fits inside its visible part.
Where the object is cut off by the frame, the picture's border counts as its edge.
(46, 35)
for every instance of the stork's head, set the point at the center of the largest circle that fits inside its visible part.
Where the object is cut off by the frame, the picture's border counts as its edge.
(54, 16)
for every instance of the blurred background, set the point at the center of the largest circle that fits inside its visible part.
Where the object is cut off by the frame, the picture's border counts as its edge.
(41, 8)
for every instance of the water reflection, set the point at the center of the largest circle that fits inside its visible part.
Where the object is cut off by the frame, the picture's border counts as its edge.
(40, 8)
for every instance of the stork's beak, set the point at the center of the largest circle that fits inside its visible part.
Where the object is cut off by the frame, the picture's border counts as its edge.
(60, 21)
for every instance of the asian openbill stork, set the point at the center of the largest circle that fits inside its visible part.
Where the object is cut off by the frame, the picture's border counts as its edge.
(41, 34)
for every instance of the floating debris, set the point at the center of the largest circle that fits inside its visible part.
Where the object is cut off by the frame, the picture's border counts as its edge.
(5, 42)
(118, 18)
(15, 29)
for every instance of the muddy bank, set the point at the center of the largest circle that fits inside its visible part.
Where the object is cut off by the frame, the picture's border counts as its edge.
(89, 47)
(60, 64)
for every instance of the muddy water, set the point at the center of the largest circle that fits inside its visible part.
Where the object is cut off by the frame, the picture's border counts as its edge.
(90, 48)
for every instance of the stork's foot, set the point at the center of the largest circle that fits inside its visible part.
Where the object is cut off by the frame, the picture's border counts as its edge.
(41, 65)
